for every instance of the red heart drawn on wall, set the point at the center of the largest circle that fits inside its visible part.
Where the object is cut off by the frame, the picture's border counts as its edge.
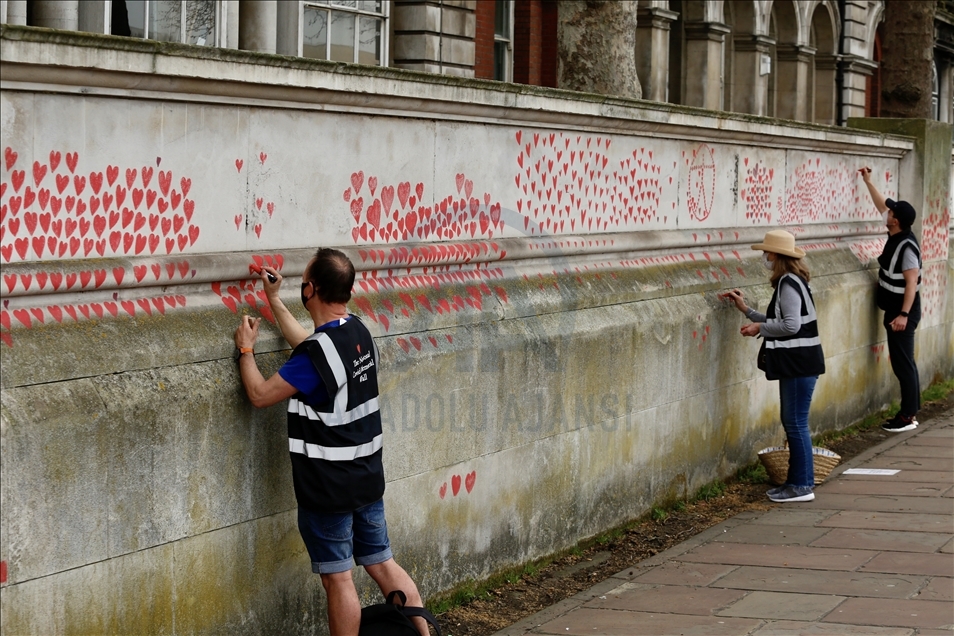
(404, 189)
(357, 180)
(9, 157)
(374, 213)
(39, 172)
(356, 206)
(71, 159)
(24, 317)
(165, 180)
(455, 484)
(387, 198)
(443, 490)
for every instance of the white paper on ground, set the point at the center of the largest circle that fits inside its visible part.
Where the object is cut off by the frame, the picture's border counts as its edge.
(871, 471)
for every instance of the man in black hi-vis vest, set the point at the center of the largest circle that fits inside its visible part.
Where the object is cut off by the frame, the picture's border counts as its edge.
(334, 435)
(899, 282)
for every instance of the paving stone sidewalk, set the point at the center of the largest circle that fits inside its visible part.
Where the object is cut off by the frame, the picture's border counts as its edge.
(873, 554)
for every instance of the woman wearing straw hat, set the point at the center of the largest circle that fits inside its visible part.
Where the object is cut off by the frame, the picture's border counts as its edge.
(791, 353)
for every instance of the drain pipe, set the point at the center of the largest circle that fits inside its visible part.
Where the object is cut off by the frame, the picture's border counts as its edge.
(840, 68)
(440, 39)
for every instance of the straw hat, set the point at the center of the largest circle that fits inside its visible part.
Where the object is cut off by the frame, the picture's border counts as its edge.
(779, 242)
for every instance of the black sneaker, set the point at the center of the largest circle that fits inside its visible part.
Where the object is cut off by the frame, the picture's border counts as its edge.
(900, 424)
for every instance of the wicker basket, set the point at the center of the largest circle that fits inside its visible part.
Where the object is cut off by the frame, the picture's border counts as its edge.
(775, 460)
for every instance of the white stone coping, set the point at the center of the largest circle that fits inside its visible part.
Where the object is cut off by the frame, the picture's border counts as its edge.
(71, 62)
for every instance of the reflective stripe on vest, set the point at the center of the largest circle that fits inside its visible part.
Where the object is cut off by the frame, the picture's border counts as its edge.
(806, 320)
(341, 415)
(362, 410)
(898, 277)
(336, 453)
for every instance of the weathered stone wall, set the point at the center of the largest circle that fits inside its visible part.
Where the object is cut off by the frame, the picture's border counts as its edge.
(541, 269)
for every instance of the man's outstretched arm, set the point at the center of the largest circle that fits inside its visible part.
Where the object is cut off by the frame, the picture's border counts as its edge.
(876, 197)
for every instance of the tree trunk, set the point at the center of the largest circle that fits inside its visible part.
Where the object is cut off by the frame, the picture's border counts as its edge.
(907, 59)
(596, 42)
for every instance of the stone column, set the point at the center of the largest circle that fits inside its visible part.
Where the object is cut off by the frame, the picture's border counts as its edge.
(94, 17)
(749, 92)
(231, 35)
(854, 76)
(856, 65)
(258, 25)
(433, 36)
(596, 47)
(56, 14)
(16, 12)
(703, 68)
(652, 51)
(793, 82)
(826, 91)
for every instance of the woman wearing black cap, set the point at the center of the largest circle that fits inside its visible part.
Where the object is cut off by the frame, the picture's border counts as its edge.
(899, 279)
(791, 353)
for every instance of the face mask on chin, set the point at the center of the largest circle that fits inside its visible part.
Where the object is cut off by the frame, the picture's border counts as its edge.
(884, 218)
(305, 299)
(766, 263)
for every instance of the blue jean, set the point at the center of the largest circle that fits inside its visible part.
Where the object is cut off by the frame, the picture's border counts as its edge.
(795, 396)
(332, 539)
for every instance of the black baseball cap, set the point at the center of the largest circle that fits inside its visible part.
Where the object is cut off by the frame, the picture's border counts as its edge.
(903, 212)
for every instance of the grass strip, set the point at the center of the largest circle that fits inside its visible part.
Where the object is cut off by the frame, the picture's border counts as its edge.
(470, 590)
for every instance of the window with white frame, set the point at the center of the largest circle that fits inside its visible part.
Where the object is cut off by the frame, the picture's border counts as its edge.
(935, 93)
(503, 40)
(188, 21)
(353, 31)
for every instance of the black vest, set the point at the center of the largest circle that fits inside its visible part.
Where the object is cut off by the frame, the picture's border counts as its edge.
(800, 354)
(890, 294)
(336, 446)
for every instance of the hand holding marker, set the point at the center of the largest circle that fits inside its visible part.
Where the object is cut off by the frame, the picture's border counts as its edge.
(257, 269)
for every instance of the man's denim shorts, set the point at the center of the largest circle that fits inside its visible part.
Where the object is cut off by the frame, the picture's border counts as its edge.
(334, 538)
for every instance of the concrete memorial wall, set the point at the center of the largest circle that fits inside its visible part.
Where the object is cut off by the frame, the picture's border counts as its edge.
(540, 268)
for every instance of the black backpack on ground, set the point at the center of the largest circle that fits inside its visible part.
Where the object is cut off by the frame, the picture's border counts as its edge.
(393, 619)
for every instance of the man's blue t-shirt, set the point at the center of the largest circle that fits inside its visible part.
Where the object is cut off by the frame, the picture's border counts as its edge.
(301, 373)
